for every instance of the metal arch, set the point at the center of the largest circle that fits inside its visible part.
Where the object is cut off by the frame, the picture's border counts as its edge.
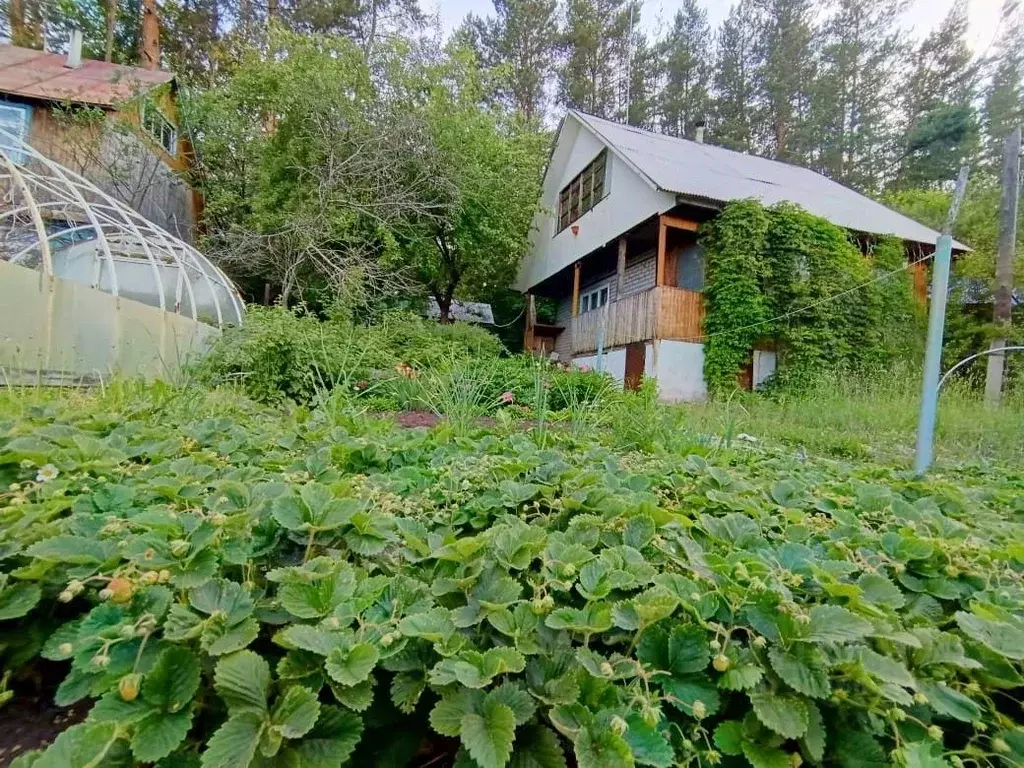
(973, 357)
(37, 219)
(118, 228)
(87, 209)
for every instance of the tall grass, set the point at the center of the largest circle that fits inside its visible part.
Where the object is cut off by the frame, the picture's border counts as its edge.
(871, 416)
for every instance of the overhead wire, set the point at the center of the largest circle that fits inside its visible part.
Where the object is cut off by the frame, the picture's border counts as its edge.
(791, 313)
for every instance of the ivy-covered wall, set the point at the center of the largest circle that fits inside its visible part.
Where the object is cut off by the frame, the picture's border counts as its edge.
(771, 273)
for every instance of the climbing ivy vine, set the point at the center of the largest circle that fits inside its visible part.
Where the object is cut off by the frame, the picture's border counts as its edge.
(771, 276)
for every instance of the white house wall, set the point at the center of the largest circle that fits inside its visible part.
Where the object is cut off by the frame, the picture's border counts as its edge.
(614, 363)
(630, 199)
(680, 371)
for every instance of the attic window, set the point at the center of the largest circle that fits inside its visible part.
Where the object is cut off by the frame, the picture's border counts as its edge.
(160, 128)
(583, 192)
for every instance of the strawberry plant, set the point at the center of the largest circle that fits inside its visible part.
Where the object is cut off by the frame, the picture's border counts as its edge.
(284, 588)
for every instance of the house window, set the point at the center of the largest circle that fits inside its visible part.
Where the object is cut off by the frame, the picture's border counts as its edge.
(594, 299)
(160, 128)
(15, 120)
(583, 192)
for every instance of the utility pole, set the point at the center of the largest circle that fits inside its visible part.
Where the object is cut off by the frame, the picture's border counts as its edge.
(1002, 304)
(936, 325)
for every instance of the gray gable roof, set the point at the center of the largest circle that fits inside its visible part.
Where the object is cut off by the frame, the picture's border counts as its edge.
(706, 172)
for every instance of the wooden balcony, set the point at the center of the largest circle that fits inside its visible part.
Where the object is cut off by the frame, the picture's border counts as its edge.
(659, 313)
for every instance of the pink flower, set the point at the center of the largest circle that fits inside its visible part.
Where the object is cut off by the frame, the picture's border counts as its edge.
(507, 398)
(584, 369)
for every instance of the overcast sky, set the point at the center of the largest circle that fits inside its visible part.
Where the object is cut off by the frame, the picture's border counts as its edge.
(922, 16)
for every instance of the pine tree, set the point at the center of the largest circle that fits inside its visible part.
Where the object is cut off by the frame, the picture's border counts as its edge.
(940, 124)
(686, 55)
(523, 38)
(861, 51)
(641, 100)
(595, 42)
(1004, 97)
(735, 70)
(784, 76)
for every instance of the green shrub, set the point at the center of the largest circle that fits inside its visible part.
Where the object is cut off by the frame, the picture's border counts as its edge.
(280, 353)
(275, 588)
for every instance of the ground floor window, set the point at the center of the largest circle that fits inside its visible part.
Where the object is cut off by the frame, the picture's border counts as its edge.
(594, 299)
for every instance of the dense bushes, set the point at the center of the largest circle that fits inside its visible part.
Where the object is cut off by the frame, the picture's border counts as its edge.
(236, 587)
(282, 353)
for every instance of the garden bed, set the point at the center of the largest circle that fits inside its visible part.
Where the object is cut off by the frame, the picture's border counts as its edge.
(223, 584)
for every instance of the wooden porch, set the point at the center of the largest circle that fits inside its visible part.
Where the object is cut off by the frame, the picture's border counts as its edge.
(663, 312)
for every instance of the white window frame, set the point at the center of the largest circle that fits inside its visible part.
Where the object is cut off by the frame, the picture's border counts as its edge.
(151, 112)
(594, 299)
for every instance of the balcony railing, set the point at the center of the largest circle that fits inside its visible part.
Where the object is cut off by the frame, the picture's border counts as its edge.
(659, 313)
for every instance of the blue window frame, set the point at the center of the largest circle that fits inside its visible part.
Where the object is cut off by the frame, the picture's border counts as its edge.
(15, 120)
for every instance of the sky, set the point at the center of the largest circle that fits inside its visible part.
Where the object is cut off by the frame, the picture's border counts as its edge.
(921, 17)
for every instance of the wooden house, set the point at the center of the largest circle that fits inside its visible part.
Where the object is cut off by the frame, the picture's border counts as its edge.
(614, 242)
(115, 125)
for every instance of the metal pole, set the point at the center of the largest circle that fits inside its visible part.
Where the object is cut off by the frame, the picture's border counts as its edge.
(1002, 303)
(936, 324)
(599, 365)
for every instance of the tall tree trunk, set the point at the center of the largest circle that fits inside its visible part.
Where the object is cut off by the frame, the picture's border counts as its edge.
(271, 11)
(16, 20)
(25, 19)
(149, 52)
(108, 45)
(368, 44)
(444, 306)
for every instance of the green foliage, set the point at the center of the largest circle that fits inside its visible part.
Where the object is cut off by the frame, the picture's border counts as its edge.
(736, 308)
(209, 573)
(280, 353)
(772, 276)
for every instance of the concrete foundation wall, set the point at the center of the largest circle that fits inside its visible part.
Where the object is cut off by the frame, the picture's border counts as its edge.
(680, 371)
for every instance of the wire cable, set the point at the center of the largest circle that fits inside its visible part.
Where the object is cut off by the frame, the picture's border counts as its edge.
(791, 313)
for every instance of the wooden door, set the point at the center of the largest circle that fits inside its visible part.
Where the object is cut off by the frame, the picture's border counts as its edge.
(636, 354)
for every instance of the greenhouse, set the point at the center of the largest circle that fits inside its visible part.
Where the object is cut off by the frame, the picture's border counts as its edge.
(89, 287)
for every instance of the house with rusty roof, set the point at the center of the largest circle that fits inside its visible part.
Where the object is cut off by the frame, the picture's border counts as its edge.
(117, 126)
(614, 243)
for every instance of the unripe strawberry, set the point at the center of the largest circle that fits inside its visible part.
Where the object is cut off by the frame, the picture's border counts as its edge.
(700, 709)
(179, 547)
(150, 577)
(163, 576)
(606, 669)
(66, 596)
(715, 645)
(935, 732)
(760, 642)
(1000, 745)
(795, 760)
(618, 725)
(127, 632)
(101, 661)
(65, 649)
(105, 594)
(721, 663)
(920, 698)
(120, 590)
(128, 687)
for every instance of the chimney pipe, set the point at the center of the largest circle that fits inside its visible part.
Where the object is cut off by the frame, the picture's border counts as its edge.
(698, 131)
(74, 60)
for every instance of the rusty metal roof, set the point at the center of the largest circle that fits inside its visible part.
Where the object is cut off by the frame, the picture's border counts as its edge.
(39, 75)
